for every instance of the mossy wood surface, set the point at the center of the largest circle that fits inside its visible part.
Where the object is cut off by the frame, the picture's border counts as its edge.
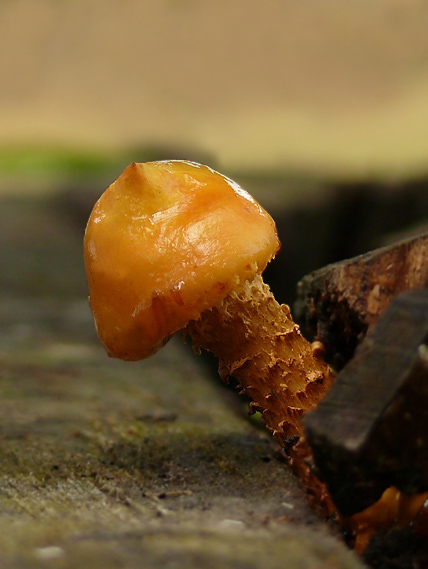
(105, 464)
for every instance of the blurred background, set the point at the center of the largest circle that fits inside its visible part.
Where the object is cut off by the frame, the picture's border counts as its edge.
(318, 109)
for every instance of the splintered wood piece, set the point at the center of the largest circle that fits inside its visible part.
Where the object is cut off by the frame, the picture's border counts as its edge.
(371, 430)
(340, 302)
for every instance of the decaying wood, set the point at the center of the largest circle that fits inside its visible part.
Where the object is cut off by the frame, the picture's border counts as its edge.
(340, 302)
(263, 349)
(371, 431)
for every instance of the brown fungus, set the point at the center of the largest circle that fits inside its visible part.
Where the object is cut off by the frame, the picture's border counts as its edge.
(175, 245)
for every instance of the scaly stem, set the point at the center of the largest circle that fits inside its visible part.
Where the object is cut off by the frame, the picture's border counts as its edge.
(257, 342)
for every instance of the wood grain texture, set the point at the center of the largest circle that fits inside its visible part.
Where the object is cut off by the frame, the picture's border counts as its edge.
(339, 303)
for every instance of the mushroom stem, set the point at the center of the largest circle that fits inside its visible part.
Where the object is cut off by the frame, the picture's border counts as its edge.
(257, 342)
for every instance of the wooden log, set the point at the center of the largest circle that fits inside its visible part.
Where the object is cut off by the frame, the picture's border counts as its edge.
(340, 302)
(371, 430)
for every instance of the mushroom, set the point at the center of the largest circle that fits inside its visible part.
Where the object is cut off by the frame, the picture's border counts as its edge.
(174, 245)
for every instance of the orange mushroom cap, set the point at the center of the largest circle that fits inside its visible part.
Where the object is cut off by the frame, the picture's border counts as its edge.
(165, 242)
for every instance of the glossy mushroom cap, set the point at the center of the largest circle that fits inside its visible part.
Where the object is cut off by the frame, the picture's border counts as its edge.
(165, 242)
